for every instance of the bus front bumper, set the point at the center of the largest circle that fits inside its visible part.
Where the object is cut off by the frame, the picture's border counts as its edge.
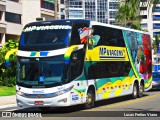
(58, 101)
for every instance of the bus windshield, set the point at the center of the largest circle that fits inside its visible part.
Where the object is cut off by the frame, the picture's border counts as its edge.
(45, 37)
(38, 71)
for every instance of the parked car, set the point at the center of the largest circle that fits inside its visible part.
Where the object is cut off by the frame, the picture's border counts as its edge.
(156, 80)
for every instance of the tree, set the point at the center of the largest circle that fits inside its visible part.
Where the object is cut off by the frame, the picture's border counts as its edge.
(129, 13)
(155, 44)
(128, 17)
(8, 74)
(136, 3)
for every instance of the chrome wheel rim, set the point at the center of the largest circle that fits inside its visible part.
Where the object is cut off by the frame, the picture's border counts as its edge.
(135, 91)
(89, 99)
(141, 89)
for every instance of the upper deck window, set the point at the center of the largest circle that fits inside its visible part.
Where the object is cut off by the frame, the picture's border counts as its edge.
(109, 36)
(45, 35)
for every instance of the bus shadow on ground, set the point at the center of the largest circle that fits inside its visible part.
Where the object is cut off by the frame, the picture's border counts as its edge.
(154, 90)
(76, 108)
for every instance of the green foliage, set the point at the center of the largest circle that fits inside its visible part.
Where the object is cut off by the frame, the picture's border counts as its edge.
(8, 74)
(6, 91)
(128, 17)
(155, 44)
(144, 3)
(129, 12)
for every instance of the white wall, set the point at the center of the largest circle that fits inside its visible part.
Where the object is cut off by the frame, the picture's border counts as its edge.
(13, 7)
(31, 9)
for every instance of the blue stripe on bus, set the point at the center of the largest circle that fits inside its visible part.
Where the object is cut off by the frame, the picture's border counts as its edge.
(44, 53)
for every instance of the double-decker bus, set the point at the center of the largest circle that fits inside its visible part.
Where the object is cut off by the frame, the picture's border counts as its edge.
(70, 62)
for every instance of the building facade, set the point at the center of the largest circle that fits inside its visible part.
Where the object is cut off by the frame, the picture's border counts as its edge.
(95, 10)
(10, 20)
(15, 14)
(151, 19)
(113, 6)
(74, 9)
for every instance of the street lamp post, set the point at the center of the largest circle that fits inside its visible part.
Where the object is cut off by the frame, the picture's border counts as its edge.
(55, 9)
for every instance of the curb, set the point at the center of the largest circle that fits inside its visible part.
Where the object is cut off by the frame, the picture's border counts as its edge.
(7, 106)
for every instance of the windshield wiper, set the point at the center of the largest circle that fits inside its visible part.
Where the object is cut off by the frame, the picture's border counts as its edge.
(60, 83)
(29, 49)
(53, 82)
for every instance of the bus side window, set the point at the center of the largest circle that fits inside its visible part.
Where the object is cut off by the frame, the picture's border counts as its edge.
(109, 69)
(109, 36)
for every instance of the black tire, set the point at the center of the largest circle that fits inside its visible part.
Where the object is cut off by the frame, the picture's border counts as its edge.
(90, 99)
(134, 94)
(141, 90)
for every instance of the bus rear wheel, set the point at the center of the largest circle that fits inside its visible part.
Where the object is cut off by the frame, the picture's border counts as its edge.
(90, 99)
(141, 90)
(135, 91)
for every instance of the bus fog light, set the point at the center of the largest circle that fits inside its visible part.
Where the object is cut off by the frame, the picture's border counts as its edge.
(19, 103)
(63, 100)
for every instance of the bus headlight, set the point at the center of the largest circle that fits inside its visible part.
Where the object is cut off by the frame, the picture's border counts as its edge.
(20, 93)
(60, 92)
(63, 91)
(63, 100)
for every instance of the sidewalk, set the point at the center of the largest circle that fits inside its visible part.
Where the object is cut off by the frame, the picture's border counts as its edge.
(7, 101)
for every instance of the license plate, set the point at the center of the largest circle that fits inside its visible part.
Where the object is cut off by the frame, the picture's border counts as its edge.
(38, 102)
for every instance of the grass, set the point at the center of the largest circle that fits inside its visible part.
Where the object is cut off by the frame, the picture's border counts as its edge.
(6, 91)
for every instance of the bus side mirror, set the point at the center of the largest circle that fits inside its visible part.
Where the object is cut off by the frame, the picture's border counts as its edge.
(8, 54)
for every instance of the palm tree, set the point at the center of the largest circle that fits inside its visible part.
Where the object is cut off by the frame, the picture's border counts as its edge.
(136, 3)
(121, 15)
(155, 44)
(129, 13)
(128, 17)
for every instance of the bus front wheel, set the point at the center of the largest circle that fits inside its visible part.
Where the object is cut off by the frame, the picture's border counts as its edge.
(90, 99)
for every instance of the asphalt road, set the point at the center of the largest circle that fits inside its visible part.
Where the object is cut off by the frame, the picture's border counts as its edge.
(147, 107)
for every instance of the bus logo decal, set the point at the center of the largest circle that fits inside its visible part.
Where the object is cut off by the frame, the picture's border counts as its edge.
(37, 28)
(75, 97)
(38, 92)
(38, 54)
(110, 53)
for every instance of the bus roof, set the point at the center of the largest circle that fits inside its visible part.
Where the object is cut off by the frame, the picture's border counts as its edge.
(54, 21)
(84, 20)
(117, 27)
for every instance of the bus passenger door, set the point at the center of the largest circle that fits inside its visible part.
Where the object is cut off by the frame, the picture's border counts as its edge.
(75, 71)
